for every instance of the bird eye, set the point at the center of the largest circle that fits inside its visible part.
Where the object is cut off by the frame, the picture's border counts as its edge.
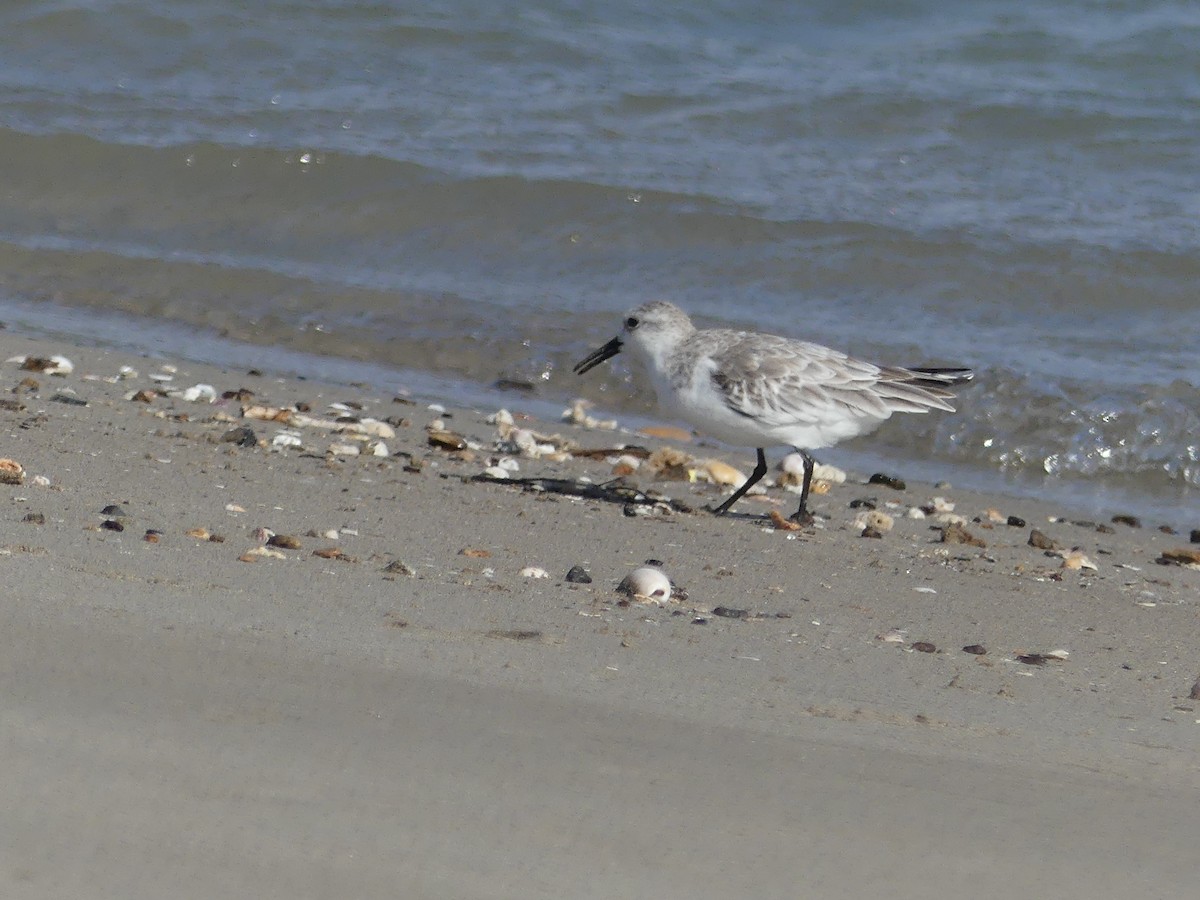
(631, 323)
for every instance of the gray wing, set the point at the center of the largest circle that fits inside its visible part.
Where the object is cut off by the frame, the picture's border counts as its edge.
(784, 382)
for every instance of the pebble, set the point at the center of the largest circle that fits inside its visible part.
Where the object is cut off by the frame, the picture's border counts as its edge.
(726, 612)
(891, 481)
(242, 436)
(975, 649)
(1040, 541)
(1124, 519)
(285, 541)
(578, 575)
(1194, 537)
(924, 647)
(1016, 522)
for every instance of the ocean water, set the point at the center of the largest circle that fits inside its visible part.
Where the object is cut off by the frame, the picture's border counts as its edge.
(469, 193)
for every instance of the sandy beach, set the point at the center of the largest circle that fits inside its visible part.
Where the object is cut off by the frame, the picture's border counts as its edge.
(236, 663)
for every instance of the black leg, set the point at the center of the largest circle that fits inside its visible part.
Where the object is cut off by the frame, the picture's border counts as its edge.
(755, 477)
(803, 516)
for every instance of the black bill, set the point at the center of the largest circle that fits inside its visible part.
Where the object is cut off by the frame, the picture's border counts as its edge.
(597, 356)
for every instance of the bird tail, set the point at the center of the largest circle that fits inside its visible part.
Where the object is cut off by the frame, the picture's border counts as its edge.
(935, 377)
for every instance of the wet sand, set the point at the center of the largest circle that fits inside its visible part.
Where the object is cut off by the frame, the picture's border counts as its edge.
(179, 721)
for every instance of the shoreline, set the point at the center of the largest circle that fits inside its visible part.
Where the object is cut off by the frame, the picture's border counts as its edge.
(401, 570)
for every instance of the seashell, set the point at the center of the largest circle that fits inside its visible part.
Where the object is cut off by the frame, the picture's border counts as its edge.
(378, 448)
(646, 583)
(533, 572)
(142, 396)
(941, 505)
(285, 541)
(197, 392)
(779, 523)
(286, 439)
(200, 534)
(161, 377)
(262, 535)
(1057, 654)
(257, 553)
(666, 433)
(496, 472)
(955, 533)
(500, 417)
(369, 427)
(127, 372)
(577, 414)
(994, 515)
(526, 443)
(11, 472)
(52, 365)
(343, 450)
(1180, 556)
(626, 465)
(949, 518)
(894, 636)
(915, 512)
(718, 472)
(330, 534)
(269, 414)
(669, 463)
(40, 481)
(234, 508)
(873, 518)
(446, 440)
(1075, 559)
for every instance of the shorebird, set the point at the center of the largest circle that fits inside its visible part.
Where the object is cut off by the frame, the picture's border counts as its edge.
(760, 390)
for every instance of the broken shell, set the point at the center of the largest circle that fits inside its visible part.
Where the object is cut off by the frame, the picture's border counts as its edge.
(447, 440)
(343, 450)
(378, 448)
(270, 414)
(11, 472)
(666, 433)
(894, 636)
(669, 464)
(577, 414)
(1180, 556)
(646, 583)
(286, 439)
(533, 572)
(500, 417)
(197, 392)
(53, 365)
(1075, 559)
(718, 472)
(873, 518)
(496, 472)
(957, 534)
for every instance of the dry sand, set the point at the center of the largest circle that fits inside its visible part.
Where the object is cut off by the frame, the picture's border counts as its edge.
(178, 722)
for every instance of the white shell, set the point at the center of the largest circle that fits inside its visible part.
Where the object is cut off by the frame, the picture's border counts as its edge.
(533, 572)
(344, 450)
(496, 472)
(198, 392)
(286, 439)
(873, 518)
(646, 583)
